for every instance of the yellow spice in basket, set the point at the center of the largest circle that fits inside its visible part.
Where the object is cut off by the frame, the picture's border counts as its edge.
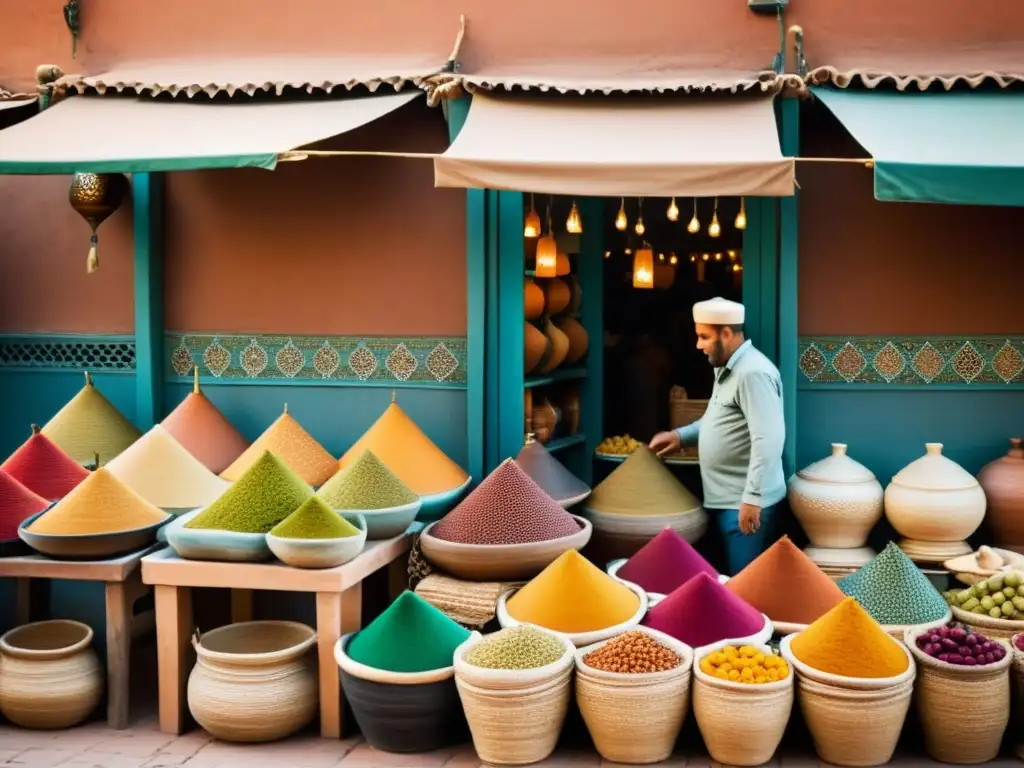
(846, 641)
(99, 504)
(744, 664)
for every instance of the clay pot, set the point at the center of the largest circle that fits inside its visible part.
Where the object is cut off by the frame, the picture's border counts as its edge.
(934, 499)
(536, 347)
(556, 295)
(578, 339)
(1003, 483)
(533, 300)
(559, 348)
(837, 500)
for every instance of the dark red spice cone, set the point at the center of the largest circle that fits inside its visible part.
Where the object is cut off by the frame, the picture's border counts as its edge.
(17, 503)
(42, 467)
(702, 612)
(664, 563)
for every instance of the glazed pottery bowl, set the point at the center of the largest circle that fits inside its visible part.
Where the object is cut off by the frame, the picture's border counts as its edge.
(500, 562)
(221, 546)
(402, 711)
(385, 523)
(88, 546)
(653, 598)
(320, 553)
(435, 506)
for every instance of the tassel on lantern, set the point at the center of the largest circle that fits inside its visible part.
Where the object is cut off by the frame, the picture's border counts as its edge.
(93, 262)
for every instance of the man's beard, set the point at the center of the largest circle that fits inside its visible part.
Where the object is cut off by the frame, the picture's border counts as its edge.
(716, 356)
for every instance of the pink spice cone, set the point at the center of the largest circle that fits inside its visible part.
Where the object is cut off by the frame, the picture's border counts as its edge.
(664, 563)
(702, 612)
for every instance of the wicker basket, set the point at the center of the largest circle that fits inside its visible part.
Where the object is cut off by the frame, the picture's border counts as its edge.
(511, 679)
(899, 631)
(964, 711)
(634, 719)
(851, 727)
(1017, 690)
(840, 681)
(253, 681)
(996, 629)
(50, 675)
(741, 724)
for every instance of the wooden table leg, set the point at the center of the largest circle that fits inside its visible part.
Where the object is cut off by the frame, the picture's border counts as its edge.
(398, 577)
(119, 598)
(174, 654)
(336, 614)
(22, 601)
(241, 605)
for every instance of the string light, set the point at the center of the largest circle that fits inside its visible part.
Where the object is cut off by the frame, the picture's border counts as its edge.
(621, 221)
(741, 217)
(673, 259)
(607, 254)
(661, 257)
(694, 226)
(531, 228)
(574, 223)
(706, 256)
(732, 255)
(693, 258)
(718, 257)
(640, 228)
(715, 229)
(737, 268)
(547, 253)
(673, 211)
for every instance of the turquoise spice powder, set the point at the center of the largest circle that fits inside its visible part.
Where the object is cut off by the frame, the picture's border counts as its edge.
(894, 591)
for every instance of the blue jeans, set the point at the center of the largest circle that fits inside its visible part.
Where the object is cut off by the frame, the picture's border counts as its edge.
(741, 549)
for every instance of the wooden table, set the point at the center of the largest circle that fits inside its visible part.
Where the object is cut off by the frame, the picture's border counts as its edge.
(339, 601)
(123, 587)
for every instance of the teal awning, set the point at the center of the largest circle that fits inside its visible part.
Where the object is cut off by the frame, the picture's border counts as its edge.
(944, 147)
(97, 134)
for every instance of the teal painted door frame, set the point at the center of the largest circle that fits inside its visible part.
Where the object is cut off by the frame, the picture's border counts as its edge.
(789, 353)
(148, 264)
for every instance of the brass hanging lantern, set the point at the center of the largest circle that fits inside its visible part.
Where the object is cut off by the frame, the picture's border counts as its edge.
(95, 196)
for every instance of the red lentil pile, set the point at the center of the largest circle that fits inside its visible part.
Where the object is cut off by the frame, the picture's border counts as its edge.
(633, 653)
(508, 507)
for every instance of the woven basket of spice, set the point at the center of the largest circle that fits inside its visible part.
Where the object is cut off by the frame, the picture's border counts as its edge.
(1001, 629)
(515, 686)
(1017, 678)
(964, 707)
(741, 717)
(634, 693)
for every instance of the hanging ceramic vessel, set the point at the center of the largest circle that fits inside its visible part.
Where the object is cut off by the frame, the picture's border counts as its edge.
(837, 500)
(95, 196)
(1003, 483)
(935, 504)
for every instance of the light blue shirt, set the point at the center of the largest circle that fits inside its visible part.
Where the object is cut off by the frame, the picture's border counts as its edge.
(741, 436)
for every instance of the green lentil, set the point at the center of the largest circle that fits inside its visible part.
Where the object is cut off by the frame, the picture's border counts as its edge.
(366, 483)
(314, 520)
(257, 501)
(517, 648)
(892, 589)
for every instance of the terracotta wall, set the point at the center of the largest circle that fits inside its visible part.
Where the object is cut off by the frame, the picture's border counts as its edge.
(898, 268)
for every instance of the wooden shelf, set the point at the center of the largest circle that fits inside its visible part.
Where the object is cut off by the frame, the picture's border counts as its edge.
(566, 442)
(561, 374)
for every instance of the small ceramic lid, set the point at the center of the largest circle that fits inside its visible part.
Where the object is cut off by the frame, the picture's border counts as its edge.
(934, 472)
(837, 468)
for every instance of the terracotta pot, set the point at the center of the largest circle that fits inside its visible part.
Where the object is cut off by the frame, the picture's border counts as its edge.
(934, 499)
(1003, 482)
(837, 500)
(559, 348)
(533, 300)
(536, 347)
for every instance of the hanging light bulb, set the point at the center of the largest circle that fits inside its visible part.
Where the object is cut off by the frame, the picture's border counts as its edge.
(718, 257)
(694, 226)
(643, 268)
(673, 259)
(640, 228)
(714, 228)
(737, 268)
(741, 217)
(574, 223)
(732, 255)
(607, 254)
(620, 218)
(706, 256)
(661, 257)
(693, 258)
(547, 253)
(531, 227)
(628, 251)
(673, 211)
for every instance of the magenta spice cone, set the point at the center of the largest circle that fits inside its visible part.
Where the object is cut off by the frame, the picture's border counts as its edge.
(664, 563)
(702, 612)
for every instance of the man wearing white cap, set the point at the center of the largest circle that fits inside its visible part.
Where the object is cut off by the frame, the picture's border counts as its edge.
(741, 435)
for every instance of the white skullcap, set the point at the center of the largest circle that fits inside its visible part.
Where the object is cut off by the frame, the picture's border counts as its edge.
(718, 311)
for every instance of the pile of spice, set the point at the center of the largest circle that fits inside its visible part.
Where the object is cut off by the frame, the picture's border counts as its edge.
(506, 508)
(516, 648)
(314, 520)
(633, 653)
(366, 484)
(204, 431)
(642, 485)
(664, 563)
(702, 612)
(786, 585)
(260, 499)
(410, 636)
(846, 641)
(100, 504)
(17, 504)
(961, 645)
(90, 425)
(894, 591)
(572, 595)
(745, 664)
(43, 468)
(160, 470)
(1000, 596)
(409, 453)
(300, 452)
(1019, 642)
(550, 474)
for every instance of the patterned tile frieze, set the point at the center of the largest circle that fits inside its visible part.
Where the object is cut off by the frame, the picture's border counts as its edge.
(410, 361)
(913, 360)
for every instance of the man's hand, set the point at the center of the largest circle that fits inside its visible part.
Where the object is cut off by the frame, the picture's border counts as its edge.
(665, 442)
(750, 518)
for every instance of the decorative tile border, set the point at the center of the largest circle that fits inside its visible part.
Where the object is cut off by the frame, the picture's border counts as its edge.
(992, 361)
(433, 361)
(66, 352)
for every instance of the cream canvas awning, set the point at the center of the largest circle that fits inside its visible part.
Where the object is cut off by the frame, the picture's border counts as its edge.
(611, 146)
(139, 135)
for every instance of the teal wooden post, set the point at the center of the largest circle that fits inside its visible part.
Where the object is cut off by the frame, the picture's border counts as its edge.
(492, 400)
(476, 305)
(769, 269)
(511, 374)
(788, 277)
(148, 242)
(752, 245)
(591, 277)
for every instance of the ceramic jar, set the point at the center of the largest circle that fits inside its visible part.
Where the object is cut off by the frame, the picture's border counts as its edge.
(253, 681)
(49, 675)
(837, 500)
(1003, 482)
(934, 499)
